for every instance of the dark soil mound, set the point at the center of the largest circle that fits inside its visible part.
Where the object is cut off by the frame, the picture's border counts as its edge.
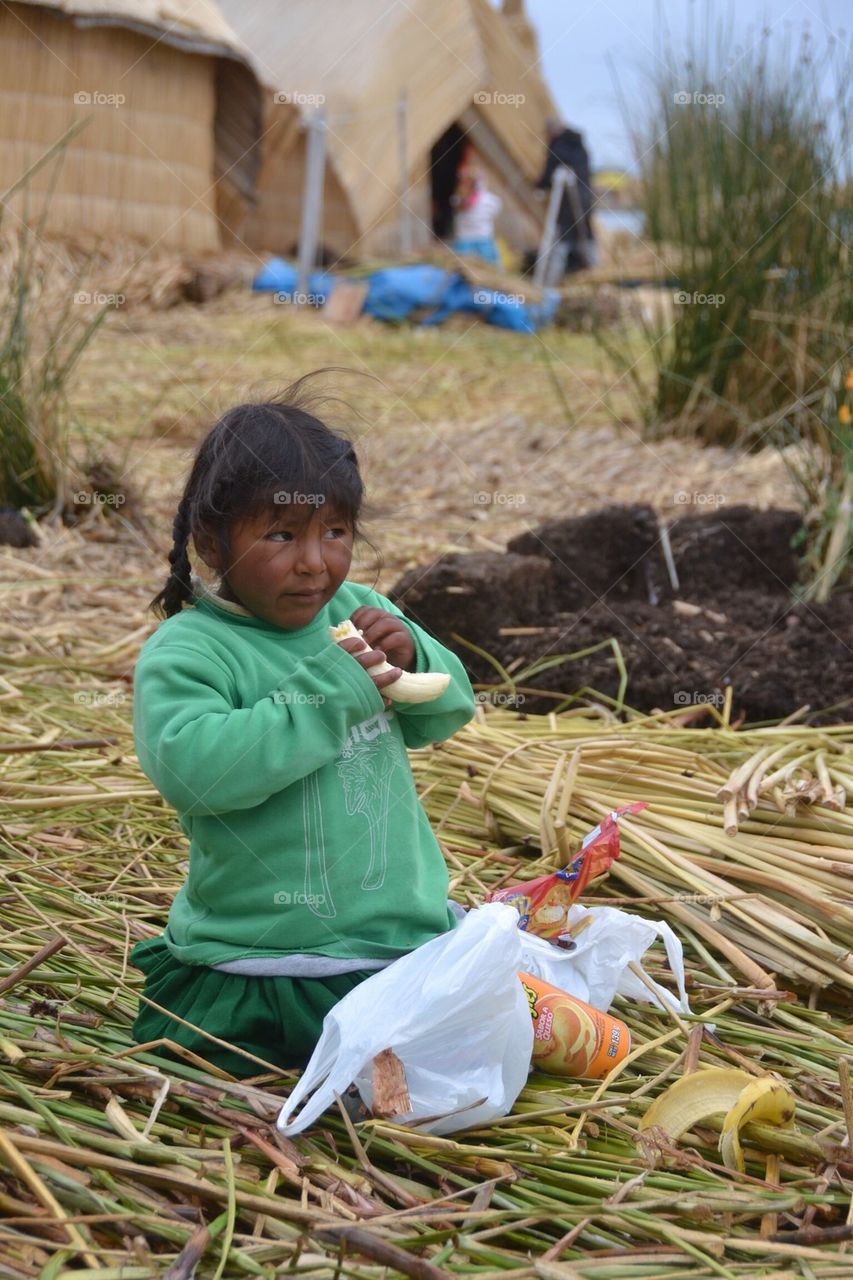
(472, 594)
(571, 584)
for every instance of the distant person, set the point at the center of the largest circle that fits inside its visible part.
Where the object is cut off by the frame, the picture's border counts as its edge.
(575, 246)
(474, 223)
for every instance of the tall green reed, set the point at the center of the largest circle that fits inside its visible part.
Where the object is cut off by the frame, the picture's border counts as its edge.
(46, 322)
(745, 160)
(745, 168)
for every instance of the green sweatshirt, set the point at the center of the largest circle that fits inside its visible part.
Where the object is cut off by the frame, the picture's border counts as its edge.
(309, 850)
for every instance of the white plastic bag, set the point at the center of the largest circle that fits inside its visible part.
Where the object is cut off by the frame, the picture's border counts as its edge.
(597, 968)
(456, 1015)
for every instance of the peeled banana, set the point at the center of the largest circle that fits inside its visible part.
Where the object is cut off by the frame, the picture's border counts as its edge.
(741, 1097)
(410, 686)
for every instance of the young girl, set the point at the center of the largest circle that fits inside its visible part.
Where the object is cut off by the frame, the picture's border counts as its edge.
(476, 210)
(311, 861)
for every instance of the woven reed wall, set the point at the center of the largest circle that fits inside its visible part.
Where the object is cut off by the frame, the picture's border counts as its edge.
(141, 169)
(382, 239)
(273, 224)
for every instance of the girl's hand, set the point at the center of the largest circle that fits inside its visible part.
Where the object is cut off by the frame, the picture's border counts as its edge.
(389, 632)
(369, 658)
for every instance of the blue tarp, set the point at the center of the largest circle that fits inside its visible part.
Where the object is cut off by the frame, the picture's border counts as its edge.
(278, 276)
(320, 285)
(507, 311)
(396, 292)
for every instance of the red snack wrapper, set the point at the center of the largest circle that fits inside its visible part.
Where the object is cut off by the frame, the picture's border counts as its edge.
(543, 904)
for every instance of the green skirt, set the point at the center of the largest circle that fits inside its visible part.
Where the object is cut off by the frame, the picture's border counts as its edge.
(277, 1019)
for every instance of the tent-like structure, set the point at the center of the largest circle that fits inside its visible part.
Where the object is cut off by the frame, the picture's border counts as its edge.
(403, 84)
(174, 116)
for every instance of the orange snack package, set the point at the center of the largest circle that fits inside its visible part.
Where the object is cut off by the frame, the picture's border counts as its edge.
(543, 904)
(570, 1038)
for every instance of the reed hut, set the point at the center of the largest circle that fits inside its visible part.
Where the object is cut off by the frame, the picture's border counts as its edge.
(173, 111)
(405, 86)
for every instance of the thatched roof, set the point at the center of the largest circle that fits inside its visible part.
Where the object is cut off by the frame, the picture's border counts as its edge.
(445, 54)
(195, 25)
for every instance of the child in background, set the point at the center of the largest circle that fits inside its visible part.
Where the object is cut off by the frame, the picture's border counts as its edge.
(311, 861)
(474, 224)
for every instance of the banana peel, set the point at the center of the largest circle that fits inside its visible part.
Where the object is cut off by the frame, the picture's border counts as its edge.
(741, 1097)
(766, 1099)
(694, 1097)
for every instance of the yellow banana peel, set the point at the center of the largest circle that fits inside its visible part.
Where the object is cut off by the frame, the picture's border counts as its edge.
(766, 1099)
(695, 1097)
(741, 1097)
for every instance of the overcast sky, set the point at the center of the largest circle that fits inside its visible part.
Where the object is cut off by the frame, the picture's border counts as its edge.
(577, 37)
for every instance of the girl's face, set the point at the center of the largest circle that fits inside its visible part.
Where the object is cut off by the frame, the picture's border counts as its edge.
(286, 566)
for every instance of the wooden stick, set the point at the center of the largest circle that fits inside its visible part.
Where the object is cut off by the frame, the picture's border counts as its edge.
(44, 953)
(184, 1266)
(382, 1251)
(815, 1235)
(694, 1045)
(846, 1098)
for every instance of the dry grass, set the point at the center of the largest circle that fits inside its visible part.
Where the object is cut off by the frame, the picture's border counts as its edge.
(446, 415)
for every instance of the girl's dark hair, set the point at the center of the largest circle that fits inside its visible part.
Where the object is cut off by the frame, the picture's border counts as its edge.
(257, 458)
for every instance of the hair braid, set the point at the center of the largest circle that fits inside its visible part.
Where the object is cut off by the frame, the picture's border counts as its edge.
(177, 589)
